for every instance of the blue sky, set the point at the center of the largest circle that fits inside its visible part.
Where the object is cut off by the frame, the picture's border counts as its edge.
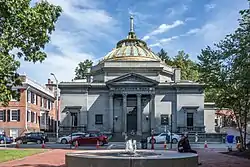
(91, 28)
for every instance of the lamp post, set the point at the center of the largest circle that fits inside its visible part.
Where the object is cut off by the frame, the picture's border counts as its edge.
(57, 106)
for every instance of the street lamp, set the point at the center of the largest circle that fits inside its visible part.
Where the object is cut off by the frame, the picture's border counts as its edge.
(57, 106)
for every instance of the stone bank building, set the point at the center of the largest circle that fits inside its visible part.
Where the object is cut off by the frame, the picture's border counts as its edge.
(132, 89)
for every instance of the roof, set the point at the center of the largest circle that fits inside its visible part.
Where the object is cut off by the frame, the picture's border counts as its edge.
(131, 49)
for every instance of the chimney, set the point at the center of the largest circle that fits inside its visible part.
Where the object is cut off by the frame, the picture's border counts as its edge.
(177, 75)
(49, 81)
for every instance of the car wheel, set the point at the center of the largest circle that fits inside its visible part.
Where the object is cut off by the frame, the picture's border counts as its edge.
(64, 141)
(174, 141)
(38, 141)
(2, 142)
(152, 141)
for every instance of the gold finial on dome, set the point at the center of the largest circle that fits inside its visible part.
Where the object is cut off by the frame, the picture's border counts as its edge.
(131, 34)
(131, 23)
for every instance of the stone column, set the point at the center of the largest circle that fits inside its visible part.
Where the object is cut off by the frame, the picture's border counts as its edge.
(111, 112)
(124, 112)
(139, 115)
(152, 112)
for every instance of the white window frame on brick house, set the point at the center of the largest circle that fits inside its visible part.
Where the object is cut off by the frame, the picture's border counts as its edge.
(11, 119)
(28, 116)
(29, 96)
(35, 115)
(34, 98)
(42, 102)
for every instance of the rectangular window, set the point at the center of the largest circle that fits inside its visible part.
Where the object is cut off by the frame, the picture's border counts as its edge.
(28, 116)
(98, 119)
(45, 103)
(41, 101)
(48, 104)
(164, 119)
(35, 117)
(32, 117)
(190, 119)
(1, 115)
(42, 119)
(14, 115)
(37, 99)
(33, 98)
(29, 96)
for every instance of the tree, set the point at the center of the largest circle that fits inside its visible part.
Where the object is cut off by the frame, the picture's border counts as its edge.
(188, 67)
(82, 69)
(225, 70)
(24, 31)
(164, 57)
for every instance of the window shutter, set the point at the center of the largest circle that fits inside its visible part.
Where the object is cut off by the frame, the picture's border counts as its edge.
(4, 115)
(8, 115)
(18, 115)
(36, 117)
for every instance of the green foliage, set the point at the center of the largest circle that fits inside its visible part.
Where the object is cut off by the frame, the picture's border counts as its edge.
(24, 31)
(181, 60)
(225, 70)
(164, 57)
(82, 69)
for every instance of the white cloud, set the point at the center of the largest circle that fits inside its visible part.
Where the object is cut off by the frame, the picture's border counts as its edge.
(80, 26)
(163, 28)
(209, 7)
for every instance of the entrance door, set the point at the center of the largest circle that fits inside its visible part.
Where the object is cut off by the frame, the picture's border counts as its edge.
(190, 119)
(132, 119)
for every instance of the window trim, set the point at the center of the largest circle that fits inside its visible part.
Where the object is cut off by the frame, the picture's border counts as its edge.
(29, 96)
(98, 123)
(28, 116)
(35, 118)
(11, 115)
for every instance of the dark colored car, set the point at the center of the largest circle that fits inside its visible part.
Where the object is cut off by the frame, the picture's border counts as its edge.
(3, 138)
(37, 137)
(91, 139)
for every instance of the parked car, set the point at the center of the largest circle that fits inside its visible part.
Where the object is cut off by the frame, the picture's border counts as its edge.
(9, 140)
(66, 139)
(161, 138)
(90, 139)
(37, 137)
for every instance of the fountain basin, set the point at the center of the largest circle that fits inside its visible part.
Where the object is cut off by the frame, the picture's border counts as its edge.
(121, 158)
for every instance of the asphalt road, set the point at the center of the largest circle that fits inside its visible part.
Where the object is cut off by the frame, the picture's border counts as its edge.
(112, 145)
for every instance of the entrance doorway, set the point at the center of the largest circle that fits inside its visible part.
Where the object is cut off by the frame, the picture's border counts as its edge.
(132, 119)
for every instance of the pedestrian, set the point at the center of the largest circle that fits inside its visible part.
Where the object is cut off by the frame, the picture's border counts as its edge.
(184, 145)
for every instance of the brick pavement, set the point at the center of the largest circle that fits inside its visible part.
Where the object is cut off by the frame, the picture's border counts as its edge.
(56, 158)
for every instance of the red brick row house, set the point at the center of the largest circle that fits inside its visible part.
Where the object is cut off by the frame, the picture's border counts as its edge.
(34, 111)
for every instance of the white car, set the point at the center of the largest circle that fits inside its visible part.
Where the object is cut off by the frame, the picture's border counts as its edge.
(160, 138)
(66, 139)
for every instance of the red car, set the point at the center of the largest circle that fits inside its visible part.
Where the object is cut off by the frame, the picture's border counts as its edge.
(90, 139)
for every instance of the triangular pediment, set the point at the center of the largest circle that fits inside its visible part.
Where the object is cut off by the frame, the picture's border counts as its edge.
(132, 79)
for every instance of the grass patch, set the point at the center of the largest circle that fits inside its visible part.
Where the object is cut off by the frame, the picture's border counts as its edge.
(8, 155)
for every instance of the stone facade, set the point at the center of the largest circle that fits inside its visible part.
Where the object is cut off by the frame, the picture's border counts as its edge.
(132, 89)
